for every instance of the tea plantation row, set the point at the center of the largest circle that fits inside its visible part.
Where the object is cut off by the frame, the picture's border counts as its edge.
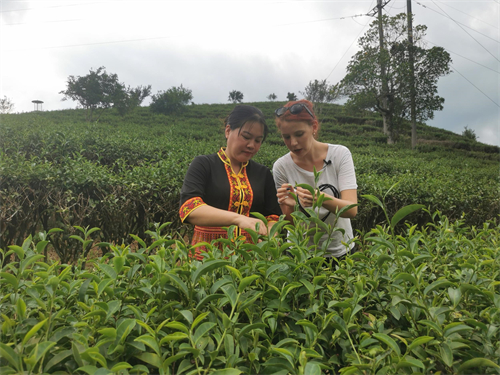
(124, 174)
(426, 301)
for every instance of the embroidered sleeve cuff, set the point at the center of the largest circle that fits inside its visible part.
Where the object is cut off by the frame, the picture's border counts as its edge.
(189, 206)
(272, 218)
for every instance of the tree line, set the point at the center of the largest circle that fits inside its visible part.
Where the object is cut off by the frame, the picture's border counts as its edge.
(377, 79)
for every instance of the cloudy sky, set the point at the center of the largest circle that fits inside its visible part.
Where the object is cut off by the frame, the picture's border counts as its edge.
(256, 47)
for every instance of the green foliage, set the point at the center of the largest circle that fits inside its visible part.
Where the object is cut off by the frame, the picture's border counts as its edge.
(291, 97)
(171, 101)
(469, 134)
(363, 82)
(320, 92)
(235, 96)
(123, 174)
(423, 301)
(99, 90)
(272, 97)
(6, 105)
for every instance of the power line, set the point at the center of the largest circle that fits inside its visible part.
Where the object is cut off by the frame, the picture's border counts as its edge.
(347, 50)
(469, 34)
(168, 37)
(458, 10)
(52, 6)
(458, 23)
(475, 62)
(41, 23)
(475, 86)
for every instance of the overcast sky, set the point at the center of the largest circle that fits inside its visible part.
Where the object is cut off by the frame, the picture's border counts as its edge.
(256, 47)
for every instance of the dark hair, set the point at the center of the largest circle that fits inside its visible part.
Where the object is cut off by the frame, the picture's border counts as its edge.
(241, 114)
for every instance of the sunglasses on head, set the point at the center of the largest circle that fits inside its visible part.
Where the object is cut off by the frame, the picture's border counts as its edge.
(294, 110)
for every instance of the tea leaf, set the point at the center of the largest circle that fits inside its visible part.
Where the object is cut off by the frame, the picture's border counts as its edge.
(247, 281)
(374, 199)
(11, 279)
(33, 330)
(89, 369)
(120, 366)
(151, 358)
(388, 341)
(174, 337)
(403, 212)
(446, 354)
(149, 341)
(124, 329)
(10, 355)
(419, 341)
(182, 286)
(455, 327)
(202, 330)
(437, 284)
(198, 320)
(59, 357)
(208, 266)
(230, 292)
(475, 363)
(312, 368)
(207, 299)
(251, 327)
(227, 371)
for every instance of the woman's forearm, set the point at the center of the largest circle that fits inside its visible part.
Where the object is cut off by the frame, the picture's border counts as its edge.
(347, 198)
(209, 216)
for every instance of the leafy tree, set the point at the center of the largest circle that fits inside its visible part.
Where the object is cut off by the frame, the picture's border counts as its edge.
(171, 101)
(469, 133)
(320, 92)
(272, 97)
(363, 82)
(291, 97)
(132, 98)
(99, 90)
(6, 105)
(235, 96)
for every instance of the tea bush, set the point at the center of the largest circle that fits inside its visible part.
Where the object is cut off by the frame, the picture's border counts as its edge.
(123, 174)
(424, 301)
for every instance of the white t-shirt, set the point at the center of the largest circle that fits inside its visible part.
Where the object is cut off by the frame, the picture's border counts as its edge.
(339, 173)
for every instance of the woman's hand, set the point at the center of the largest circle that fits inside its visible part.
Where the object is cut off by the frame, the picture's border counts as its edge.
(284, 197)
(245, 222)
(305, 197)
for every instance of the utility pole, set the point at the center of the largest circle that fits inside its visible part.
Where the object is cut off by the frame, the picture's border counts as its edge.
(383, 73)
(413, 113)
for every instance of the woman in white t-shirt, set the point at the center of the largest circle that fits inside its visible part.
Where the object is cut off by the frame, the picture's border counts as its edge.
(299, 126)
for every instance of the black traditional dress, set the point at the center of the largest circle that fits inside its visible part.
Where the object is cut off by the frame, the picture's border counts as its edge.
(210, 180)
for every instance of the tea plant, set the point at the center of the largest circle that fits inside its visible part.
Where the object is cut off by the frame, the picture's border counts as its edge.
(421, 301)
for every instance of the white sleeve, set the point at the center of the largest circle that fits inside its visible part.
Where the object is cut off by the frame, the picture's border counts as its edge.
(347, 176)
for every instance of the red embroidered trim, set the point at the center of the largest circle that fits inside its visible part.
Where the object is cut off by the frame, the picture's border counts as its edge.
(208, 234)
(272, 218)
(241, 193)
(189, 206)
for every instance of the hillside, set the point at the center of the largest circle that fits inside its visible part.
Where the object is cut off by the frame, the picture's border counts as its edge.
(123, 174)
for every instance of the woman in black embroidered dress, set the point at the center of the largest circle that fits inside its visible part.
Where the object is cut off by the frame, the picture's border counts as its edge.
(222, 189)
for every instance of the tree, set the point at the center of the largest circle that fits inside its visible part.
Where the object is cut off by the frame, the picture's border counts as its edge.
(235, 96)
(132, 98)
(272, 97)
(291, 97)
(469, 134)
(99, 90)
(363, 82)
(320, 92)
(6, 105)
(171, 101)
